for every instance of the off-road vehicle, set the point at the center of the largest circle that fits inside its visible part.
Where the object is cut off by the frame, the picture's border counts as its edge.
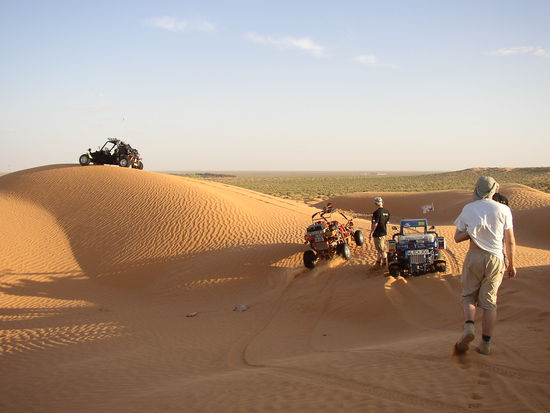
(327, 237)
(113, 152)
(415, 249)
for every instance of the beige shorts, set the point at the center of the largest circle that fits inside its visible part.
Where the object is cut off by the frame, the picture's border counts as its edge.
(481, 276)
(380, 243)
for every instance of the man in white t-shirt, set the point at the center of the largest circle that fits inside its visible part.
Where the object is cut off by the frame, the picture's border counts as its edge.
(485, 223)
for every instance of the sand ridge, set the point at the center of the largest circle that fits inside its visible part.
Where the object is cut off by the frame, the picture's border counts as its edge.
(529, 208)
(100, 266)
(116, 219)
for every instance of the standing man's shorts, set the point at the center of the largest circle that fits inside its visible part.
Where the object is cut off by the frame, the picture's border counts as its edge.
(481, 276)
(380, 243)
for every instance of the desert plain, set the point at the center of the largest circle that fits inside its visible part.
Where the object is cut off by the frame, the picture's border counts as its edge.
(119, 290)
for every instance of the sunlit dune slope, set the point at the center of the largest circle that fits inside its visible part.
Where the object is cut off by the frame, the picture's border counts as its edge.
(530, 208)
(447, 204)
(522, 197)
(112, 216)
(118, 289)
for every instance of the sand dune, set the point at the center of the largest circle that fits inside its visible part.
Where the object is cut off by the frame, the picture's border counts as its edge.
(530, 207)
(118, 288)
(447, 204)
(120, 221)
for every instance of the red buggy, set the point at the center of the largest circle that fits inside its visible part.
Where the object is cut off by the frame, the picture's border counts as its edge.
(327, 237)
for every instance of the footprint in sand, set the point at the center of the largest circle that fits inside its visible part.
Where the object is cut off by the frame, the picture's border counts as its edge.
(475, 396)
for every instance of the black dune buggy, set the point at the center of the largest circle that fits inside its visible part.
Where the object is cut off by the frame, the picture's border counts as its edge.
(328, 237)
(113, 152)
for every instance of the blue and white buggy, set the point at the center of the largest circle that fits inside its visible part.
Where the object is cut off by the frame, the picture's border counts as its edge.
(415, 249)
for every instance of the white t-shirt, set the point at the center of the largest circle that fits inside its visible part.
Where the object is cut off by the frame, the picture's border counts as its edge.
(486, 220)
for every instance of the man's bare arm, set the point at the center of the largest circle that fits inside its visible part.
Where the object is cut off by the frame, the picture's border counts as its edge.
(510, 246)
(372, 228)
(461, 236)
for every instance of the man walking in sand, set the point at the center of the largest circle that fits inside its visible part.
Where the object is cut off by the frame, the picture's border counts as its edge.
(484, 223)
(380, 218)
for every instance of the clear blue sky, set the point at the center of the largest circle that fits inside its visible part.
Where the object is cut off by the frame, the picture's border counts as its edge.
(278, 85)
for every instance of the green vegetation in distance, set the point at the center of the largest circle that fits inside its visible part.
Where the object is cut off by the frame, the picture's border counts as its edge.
(212, 175)
(325, 185)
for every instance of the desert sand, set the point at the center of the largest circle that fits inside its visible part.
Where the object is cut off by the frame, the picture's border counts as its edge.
(118, 289)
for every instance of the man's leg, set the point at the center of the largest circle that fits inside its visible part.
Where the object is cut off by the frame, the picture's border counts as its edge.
(489, 322)
(469, 312)
(488, 301)
(468, 333)
(470, 280)
(378, 250)
(382, 251)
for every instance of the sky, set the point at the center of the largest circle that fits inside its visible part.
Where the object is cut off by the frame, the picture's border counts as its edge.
(277, 85)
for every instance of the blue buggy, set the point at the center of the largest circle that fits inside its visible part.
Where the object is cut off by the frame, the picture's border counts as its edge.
(416, 249)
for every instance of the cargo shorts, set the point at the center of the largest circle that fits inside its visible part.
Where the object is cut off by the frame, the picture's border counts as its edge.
(380, 243)
(481, 276)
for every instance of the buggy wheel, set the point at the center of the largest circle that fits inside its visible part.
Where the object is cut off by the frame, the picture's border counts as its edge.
(139, 165)
(310, 258)
(84, 160)
(344, 251)
(394, 270)
(359, 238)
(124, 162)
(441, 266)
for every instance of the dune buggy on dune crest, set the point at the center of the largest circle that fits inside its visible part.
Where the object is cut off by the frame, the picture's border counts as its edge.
(113, 152)
(327, 237)
(415, 249)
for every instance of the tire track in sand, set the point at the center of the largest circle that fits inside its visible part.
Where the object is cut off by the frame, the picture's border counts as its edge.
(237, 355)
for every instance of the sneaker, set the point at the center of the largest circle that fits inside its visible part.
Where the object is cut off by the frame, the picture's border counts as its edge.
(463, 344)
(484, 347)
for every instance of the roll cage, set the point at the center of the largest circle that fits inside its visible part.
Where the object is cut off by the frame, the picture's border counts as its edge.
(328, 217)
(408, 226)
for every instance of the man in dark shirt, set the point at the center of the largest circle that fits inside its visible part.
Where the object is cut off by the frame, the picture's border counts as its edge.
(501, 198)
(498, 197)
(380, 218)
